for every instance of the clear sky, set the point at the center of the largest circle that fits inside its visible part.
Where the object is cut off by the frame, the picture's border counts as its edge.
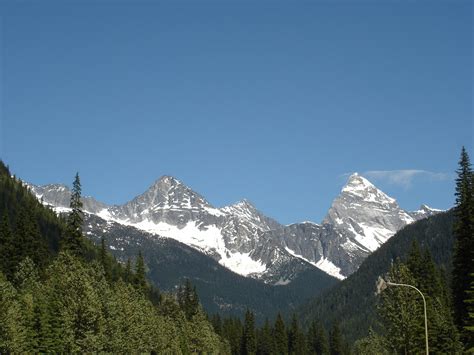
(273, 101)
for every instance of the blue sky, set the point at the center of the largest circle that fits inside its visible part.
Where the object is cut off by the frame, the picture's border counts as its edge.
(274, 101)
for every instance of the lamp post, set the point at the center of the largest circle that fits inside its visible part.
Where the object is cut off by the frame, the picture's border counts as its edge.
(382, 284)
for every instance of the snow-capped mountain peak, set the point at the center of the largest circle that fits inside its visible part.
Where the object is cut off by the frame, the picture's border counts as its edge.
(357, 182)
(367, 213)
(241, 208)
(360, 187)
(166, 193)
(246, 211)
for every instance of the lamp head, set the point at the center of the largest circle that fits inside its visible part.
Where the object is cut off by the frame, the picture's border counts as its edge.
(380, 285)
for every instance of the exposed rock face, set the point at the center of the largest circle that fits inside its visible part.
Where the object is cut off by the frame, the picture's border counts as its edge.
(360, 219)
(367, 213)
(249, 243)
(59, 195)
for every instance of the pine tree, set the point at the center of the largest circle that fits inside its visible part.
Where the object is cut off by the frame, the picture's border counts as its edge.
(249, 339)
(280, 336)
(401, 310)
(232, 332)
(104, 259)
(140, 278)
(296, 341)
(73, 240)
(265, 341)
(13, 335)
(201, 337)
(194, 304)
(217, 323)
(373, 344)
(317, 340)
(188, 299)
(28, 241)
(77, 322)
(469, 327)
(128, 274)
(443, 334)
(7, 249)
(463, 256)
(336, 345)
(26, 280)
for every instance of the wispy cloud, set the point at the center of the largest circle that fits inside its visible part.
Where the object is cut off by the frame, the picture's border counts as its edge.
(405, 177)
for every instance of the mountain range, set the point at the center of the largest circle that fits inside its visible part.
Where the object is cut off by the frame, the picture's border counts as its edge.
(242, 239)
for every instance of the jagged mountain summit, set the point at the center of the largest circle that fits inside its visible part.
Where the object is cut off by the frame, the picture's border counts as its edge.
(367, 213)
(249, 243)
(358, 222)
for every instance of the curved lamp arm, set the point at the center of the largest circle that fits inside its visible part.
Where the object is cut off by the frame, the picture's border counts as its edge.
(424, 308)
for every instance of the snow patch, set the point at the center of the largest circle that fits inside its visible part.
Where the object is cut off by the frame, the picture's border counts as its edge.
(207, 239)
(282, 282)
(328, 267)
(59, 210)
(373, 237)
(323, 264)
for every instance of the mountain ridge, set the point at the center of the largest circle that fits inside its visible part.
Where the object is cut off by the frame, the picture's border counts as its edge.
(241, 238)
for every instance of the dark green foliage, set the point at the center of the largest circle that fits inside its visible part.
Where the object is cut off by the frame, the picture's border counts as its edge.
(373, 344)
(463, 256)
(232, 330)
(128, 274)
(249, 339)
(402, 313)
(188, 299)
(29, 229)
(26, 228)
(280, 336)
(317, 339)
(140, 278)
(217, 323)
(75, 310)
(28, 241)
(265, 341)
(469, 327)
(73, 240)
(7, 262)
(104, 259)
(296, 338)
(336, 344)
(279, 339)
(76, 217)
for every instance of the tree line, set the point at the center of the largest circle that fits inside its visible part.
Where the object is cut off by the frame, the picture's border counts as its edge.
(278, 337)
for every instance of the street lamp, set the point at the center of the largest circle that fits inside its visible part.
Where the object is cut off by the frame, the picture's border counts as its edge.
(382, 285)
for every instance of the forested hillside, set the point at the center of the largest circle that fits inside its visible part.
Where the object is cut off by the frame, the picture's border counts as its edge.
(62, 296)
(353, 302)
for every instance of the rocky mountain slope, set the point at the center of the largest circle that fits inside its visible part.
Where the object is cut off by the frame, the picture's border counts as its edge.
(170, 262)
(249, 243)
